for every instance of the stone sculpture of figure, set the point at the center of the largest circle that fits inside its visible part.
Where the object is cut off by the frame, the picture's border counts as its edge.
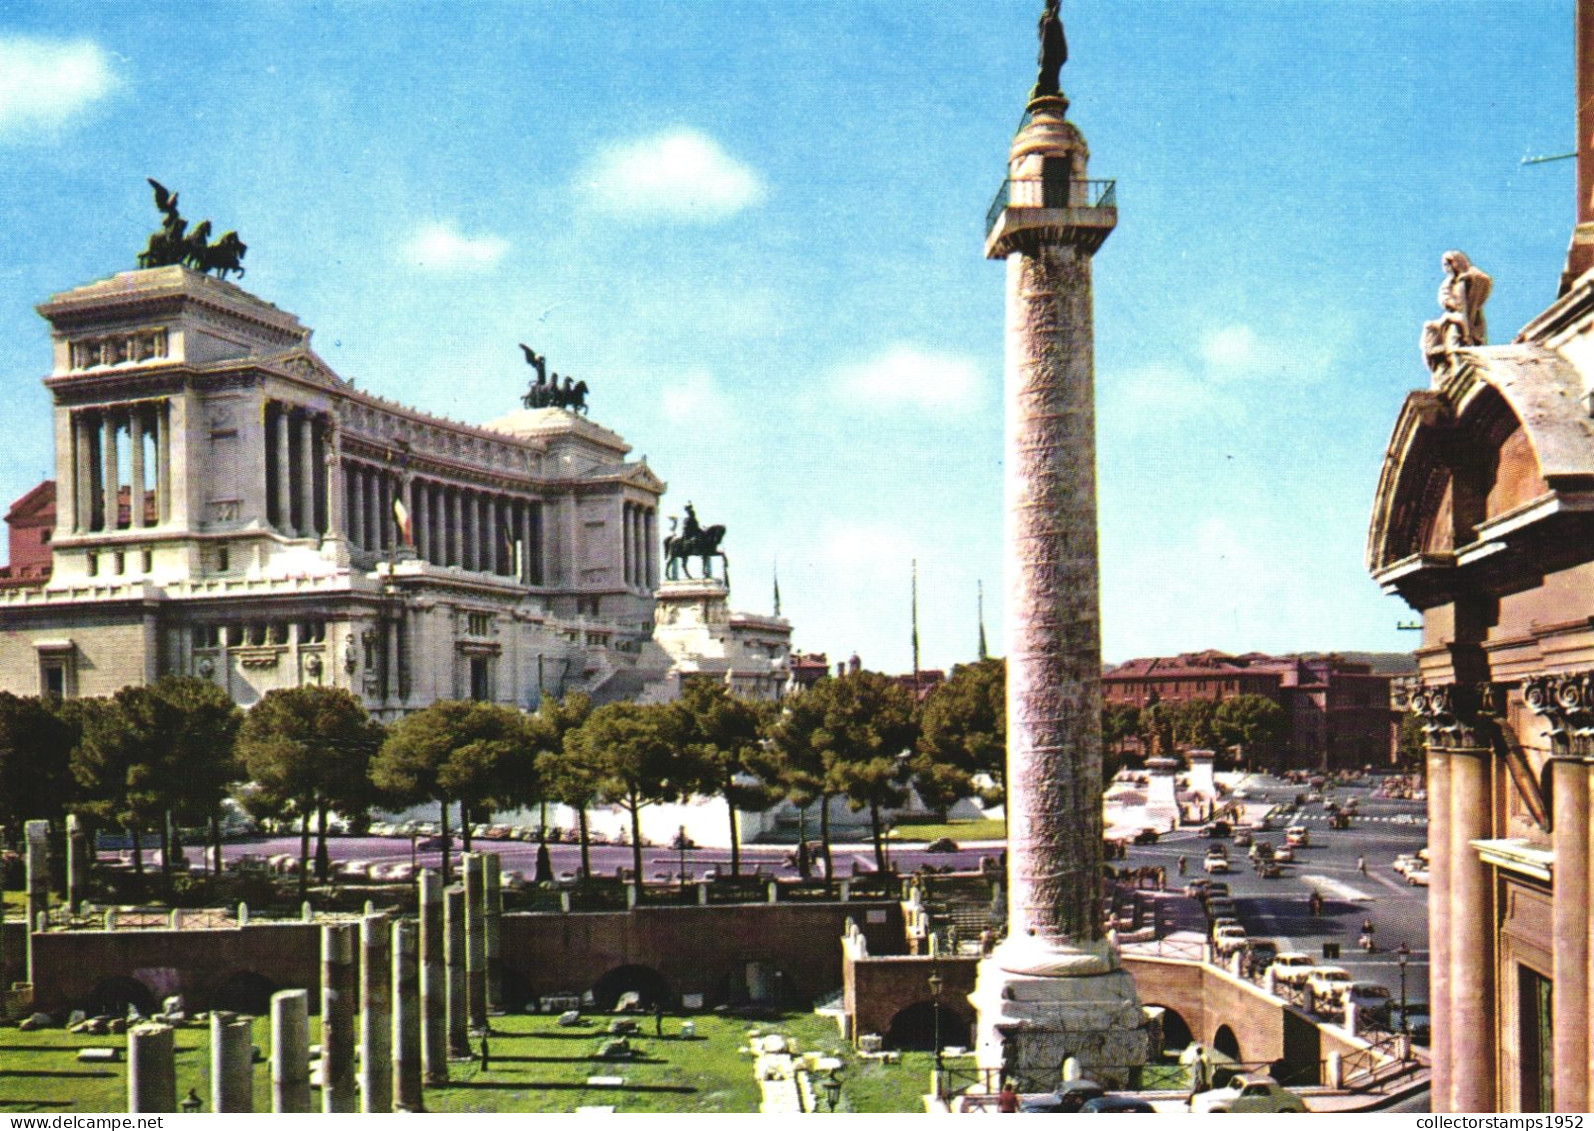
(1053, 53)
(1461, 323)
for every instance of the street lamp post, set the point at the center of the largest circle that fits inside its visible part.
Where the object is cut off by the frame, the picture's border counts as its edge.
(936, 983)
(832, 1086)
(1402, 954)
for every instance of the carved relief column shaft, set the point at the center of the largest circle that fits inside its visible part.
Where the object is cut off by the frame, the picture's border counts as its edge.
(1471, 936)
(1571, 918)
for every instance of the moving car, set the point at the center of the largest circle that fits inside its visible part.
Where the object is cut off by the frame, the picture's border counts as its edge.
(1252, 1092)
(1283, 854)
(1298, 836)
(1215, 863)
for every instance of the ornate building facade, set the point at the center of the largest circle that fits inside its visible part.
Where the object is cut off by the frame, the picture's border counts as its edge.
(227, 506)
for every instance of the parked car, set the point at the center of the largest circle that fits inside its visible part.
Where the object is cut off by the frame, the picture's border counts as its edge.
(1371, 999)
(1116, 1105)
(1328, 986)
(1417, 877)
(1292, 966)
(1259, 955)
(1227, 940)
(1417, 1021)
(432, 843)
(1147, 836)
(1248, 1093)
(1219, 908)
(939, 844)
(1067, 1100)
(1405, 862)
(1197, 888)
(1217, 889)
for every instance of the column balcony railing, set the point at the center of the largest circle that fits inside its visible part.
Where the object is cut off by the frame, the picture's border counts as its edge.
(1038, 192)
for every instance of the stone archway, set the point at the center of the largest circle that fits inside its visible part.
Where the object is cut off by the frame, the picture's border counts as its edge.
(244, 991)
(1176, 1031)
(1227, 1043)
(914, 1027)
(644, 981)
(111, 997)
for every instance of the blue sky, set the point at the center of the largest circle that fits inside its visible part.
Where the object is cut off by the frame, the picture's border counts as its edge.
(755, 230)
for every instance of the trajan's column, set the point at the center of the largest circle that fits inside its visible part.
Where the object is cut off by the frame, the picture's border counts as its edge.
(1053, 989)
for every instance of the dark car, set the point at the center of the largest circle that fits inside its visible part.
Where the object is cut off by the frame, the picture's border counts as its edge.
(942, 844)
(1147, 836)
(1067, 1100)
(1417, 1021)
(1117, 1105)
(1217, 830)
(428, 843)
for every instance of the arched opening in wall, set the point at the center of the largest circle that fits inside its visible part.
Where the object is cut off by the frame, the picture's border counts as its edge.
(244, 991)
(111, 997)
(517, 991)
(1176, 1032)
(1227, 1043)
(914, 1027)
(644, 981)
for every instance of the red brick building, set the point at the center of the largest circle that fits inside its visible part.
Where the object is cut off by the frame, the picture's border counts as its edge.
(31, 519)
(1338, 709)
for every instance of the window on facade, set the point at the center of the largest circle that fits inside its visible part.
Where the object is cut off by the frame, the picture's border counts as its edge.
(312, 631)
(94, 565)
(279, 632)
(52, 679)
(479, 624)
(479, 687)
(223, 559)
(587, 606)
(207, 636)
(147, 561)
(44, 536)
(121, 563)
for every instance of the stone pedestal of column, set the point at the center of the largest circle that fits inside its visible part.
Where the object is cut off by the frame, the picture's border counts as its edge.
(232, 1067)
(290, 1051)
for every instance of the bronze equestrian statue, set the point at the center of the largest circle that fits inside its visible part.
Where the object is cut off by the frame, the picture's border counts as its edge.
(694, 541)
(174, 245)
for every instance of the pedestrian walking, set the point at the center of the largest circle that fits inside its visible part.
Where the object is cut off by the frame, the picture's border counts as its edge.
(1361, 864)
(658, 1019)
(1007, 1098)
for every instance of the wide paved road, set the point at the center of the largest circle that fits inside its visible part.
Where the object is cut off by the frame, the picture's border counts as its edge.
(1277, 909)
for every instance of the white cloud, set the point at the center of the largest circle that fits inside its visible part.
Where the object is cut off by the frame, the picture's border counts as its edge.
(906, 374)
(1238, 353)
(693, 398)
(441, 247)
(44, 84)
(683, 175)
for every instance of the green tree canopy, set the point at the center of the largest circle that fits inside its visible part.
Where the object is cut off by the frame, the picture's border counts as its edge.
(866, 728)
(36, 741)
(630, 751)
(964, 721)
(1254, 723)
(308, 752)
(565, 780)
(723, 740)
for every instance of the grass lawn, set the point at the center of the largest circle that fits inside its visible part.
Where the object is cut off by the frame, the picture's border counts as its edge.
(536, 1067)
(982, 828)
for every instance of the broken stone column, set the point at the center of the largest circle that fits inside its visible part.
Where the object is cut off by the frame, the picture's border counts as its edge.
(151, 1068)
(493, 893)
(232, 1068)
(338, 994)
(406, 1020)
(476, 940)
(376, 1021)
(38, 880)
(290, 1051)
(78, 856)
(454, 958)
(434, 980)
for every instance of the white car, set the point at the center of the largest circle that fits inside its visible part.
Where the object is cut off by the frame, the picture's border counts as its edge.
(1215, 864)
(1292, 966)
(1283, 854)
(1328, 986)
(1227, 940)
(1249, 1093)
(1417, 877)
(1405, 862)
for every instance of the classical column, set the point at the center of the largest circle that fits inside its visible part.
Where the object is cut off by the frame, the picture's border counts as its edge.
(475, 939)
(337, 494)
(1439, 925)
(439, 511)
(407, 1094)
(376, 1015)
(151, 1069)
(434, 980)
(454, 959)
(83, 469)
(78, 855)
(111, 470)
(337, 1018)
(420, 497)
(135, 447)
(351, 479)
(484, 533)
(1570, 909)
(652, 540)
(284, 471)
(290, 1051)
(1054, 987)
(163, 463)
(451, 539)
(304, 468)
(1472, 1038)
(37, 877)
(384, 501)
(492, 917)
(232, 1079)
(467, 530)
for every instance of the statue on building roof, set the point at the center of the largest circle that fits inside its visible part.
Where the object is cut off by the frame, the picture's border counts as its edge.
(1461, 324)
(547, 392)
(694, 541)
(174, 244)
(1053, 53)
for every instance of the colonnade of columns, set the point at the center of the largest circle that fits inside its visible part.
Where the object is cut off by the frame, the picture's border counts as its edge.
(482, 531)
(297, 442)
(97, 467)
(639, 533)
